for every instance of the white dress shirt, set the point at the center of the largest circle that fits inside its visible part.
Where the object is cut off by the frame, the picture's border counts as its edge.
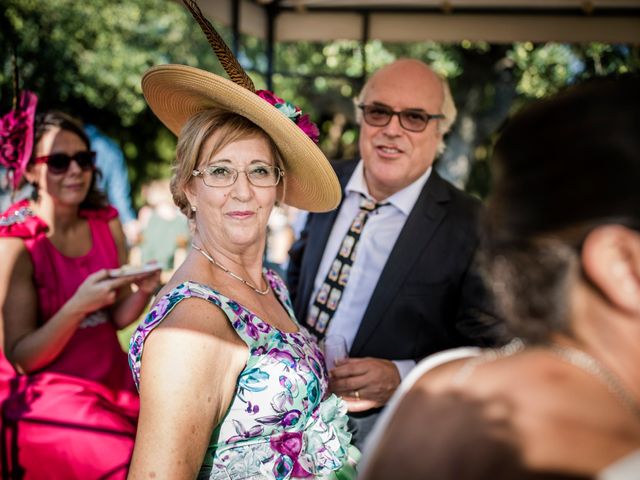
(374, 247)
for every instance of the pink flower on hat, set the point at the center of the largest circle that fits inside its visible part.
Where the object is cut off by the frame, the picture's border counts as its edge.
(270, 97)
(16, 136)
(293, 113)
(308, 127)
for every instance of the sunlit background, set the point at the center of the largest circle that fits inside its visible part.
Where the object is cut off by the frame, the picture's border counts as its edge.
(88, 57)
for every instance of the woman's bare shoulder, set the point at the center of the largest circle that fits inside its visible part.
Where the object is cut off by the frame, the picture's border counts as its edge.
(198, 315)
(476, 418)
(197, 338)
(557, 415)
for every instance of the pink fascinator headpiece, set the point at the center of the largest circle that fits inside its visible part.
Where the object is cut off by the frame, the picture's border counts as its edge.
(16, 137)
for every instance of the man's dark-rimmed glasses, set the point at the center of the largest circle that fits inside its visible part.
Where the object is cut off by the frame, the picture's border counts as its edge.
(410, 119)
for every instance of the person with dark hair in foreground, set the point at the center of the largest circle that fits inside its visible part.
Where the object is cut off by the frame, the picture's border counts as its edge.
(561, 249)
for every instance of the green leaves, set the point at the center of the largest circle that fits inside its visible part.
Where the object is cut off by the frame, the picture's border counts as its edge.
(87, 58)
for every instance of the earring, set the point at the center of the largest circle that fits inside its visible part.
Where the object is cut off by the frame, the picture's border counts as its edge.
(194, 208)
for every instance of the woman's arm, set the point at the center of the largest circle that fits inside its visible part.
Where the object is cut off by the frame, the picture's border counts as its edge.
(190, 367)
(130, 304)
(27, 346)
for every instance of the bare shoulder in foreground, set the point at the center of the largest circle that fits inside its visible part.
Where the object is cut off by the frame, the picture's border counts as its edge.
(508, 418)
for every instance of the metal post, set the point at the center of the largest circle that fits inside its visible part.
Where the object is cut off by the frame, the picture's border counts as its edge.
(235, 27)
(363, 40)
(272, 13)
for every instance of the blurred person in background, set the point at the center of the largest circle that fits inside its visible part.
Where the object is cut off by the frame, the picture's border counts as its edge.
(69, 407)
(114, 180)
(165, 233)
(280, 236)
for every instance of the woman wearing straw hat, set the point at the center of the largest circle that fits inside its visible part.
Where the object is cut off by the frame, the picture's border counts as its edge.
(230, 385)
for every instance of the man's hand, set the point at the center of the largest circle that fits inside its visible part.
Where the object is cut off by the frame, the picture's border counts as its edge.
(364, 383)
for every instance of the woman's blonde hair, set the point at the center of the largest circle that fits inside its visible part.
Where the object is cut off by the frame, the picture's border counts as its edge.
(228, 127)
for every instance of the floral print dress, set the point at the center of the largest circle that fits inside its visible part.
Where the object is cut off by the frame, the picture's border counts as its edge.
(279, 425)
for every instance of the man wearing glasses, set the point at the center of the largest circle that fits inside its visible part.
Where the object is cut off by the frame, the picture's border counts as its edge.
(411, 290)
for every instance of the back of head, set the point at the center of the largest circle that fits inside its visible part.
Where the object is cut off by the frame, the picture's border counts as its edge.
(561, 167)
(569, 159)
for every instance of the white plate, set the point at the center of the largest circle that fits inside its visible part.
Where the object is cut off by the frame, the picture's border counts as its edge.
(130, 270)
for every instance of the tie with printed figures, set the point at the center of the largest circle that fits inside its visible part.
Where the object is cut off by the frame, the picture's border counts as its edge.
(328, 297)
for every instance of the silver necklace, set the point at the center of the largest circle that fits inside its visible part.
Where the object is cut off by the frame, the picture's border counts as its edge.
(488, 355)
(595, 368)
(229, 272)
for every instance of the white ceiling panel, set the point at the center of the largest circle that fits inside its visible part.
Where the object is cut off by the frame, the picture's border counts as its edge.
(501, 21)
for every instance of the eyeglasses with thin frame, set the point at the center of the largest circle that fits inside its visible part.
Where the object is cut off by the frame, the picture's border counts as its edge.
(224, 176)
(59, 163)
(411, 119)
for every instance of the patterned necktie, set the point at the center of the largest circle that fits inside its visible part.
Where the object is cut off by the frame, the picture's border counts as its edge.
(328, 297)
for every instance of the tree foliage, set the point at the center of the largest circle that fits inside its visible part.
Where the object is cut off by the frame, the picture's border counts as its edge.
(87, 58)
(488, 83)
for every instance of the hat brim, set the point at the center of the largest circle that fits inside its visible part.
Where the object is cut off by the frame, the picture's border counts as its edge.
(177, 92)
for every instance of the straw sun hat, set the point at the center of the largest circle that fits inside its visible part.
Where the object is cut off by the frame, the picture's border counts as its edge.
(176, 92)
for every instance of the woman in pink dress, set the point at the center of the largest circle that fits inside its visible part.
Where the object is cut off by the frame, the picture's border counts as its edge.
(69, 407)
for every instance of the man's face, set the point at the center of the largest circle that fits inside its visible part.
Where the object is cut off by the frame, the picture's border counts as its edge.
(393, 156)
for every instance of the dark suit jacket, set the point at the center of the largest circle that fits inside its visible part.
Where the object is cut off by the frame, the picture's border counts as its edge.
(429, 297)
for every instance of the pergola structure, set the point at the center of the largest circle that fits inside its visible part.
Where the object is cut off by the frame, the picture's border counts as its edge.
(494, 21)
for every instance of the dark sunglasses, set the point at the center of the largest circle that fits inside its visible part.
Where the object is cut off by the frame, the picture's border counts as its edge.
(59, 162)
(411, 119)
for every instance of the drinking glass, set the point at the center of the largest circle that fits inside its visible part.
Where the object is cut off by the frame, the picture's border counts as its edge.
(335, 350)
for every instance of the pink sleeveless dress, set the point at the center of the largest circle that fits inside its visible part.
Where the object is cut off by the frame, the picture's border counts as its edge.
(76, 418)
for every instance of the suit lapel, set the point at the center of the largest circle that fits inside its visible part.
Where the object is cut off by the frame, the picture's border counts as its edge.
(422, 223)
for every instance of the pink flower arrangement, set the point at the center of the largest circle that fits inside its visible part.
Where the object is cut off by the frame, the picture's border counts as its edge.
(269, 96)
(16, 136)
(308, 127)
(293, 113)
